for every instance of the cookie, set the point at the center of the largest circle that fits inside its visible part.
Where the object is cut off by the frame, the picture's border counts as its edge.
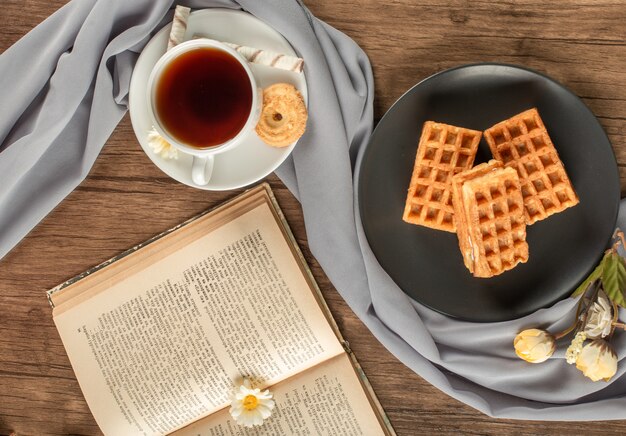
(283, 117)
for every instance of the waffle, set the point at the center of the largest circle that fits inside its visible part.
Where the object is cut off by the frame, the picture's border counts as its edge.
(522, 142)
(489, 213)
(443, 151)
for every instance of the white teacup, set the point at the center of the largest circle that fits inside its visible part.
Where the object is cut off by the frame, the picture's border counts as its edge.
(203, 158)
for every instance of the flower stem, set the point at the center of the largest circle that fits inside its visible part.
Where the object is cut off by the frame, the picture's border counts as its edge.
(619, 325)
(577, 322)
(615, 315)
(566, 332)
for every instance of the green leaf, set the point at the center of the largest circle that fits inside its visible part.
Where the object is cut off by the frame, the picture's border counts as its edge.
(595, 275)
(614, 278)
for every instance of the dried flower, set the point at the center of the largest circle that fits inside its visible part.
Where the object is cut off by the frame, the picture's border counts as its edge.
(597, 360)
(534, 345)
(249, 407)
(160, 146)
(575, 347)
(599, 318)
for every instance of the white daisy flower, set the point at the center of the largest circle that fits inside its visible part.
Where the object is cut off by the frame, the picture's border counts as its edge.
(249, 407)
(160, 146)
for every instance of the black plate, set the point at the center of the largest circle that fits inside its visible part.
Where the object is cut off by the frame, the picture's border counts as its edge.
(427, 264)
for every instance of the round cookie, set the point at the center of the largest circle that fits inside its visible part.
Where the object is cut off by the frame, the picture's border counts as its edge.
(283, 117)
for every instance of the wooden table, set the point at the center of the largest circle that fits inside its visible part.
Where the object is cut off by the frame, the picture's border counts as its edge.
(126, 199)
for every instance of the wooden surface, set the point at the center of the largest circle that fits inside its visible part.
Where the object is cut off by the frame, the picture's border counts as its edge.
(126, 199)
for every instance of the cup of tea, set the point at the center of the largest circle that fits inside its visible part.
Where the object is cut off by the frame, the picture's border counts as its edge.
(203, 99)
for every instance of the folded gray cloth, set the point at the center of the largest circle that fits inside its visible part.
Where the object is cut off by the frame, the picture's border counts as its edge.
(64, 87)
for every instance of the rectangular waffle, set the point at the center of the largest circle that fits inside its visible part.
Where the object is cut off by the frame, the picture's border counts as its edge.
(522, 142)
(443, 151)
(489, 212)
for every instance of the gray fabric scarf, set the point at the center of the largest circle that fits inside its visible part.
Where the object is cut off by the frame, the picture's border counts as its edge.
(64, 88)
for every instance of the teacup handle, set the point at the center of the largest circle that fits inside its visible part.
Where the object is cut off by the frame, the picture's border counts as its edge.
(201, 169)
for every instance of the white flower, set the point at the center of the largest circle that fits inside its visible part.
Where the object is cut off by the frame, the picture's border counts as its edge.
(575, 347)
(160, 146)
(597, 360)
(534, 345)
(249, 407)
(599, 318)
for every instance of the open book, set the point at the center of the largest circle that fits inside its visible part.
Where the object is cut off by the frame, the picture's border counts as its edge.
(160, 336)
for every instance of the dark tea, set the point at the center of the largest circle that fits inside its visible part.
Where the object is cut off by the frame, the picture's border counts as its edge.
(203, 97)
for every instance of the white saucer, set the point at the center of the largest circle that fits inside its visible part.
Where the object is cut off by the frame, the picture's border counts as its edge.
(251, 160)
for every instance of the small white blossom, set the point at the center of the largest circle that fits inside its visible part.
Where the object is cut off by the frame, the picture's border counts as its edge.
(575, 347)
(599, 318)
(249, 407)
(160, 146)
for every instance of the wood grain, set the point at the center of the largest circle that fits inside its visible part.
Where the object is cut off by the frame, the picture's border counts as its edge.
(126, 199)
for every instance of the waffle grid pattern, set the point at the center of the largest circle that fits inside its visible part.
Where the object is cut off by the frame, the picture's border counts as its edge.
(522, 142)
(494, 204)
(443, 151)
(461, 219)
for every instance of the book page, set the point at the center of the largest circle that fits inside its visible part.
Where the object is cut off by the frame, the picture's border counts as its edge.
(325, 400)
(165, 345)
